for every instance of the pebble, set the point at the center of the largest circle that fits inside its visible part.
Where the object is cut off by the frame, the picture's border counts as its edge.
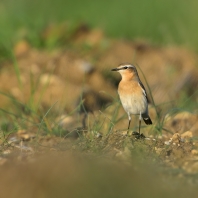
(187, 135)
(167, 142)
(194, 152)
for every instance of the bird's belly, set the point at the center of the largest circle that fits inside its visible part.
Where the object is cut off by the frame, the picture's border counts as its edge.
(134, 104)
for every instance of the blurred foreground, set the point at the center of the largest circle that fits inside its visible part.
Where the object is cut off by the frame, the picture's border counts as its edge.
(68, 174)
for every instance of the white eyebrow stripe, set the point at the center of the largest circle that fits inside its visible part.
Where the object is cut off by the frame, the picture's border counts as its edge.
(129, 66)
(122, 66)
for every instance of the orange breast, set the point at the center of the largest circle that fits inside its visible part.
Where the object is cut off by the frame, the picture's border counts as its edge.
(129, 87)
(132, 97)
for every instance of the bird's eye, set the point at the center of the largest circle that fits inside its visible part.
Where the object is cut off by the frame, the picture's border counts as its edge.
(125, 67)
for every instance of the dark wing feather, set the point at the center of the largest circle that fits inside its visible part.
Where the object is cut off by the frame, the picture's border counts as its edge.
(144, 90)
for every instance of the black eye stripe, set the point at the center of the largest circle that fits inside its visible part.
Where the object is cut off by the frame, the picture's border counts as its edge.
(125, 67)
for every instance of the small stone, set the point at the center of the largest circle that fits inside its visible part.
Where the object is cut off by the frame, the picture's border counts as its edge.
(6, 152)
(13, 139)
(186, 136)
(167, 142)
(23, 134)
(176, 137)
(24, 148)
(98, 135)
(194, 152)
(50, 79)
(124, 133)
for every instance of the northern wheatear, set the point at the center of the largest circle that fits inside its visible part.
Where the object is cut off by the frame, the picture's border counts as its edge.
(133, 94)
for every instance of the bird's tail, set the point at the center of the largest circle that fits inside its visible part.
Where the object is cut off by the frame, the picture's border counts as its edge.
(147, 120)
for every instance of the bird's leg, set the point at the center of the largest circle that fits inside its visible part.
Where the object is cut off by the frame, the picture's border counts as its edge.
(129, 122)
(140, 119)
(129, 125)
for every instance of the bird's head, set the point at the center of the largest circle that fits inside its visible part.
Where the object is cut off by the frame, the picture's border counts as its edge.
(126, 70)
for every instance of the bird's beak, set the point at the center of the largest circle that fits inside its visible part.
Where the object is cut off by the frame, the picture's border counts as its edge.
(115, 69)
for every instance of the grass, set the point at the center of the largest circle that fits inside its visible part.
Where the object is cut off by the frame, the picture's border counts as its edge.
(24, 115)
(31, 111)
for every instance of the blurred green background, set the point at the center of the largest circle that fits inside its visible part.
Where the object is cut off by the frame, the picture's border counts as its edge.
(160, 22)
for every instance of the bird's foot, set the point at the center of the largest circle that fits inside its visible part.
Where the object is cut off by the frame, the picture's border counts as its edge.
(138, 135)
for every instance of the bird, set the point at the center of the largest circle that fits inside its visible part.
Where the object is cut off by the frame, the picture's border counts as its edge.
(133, 95)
